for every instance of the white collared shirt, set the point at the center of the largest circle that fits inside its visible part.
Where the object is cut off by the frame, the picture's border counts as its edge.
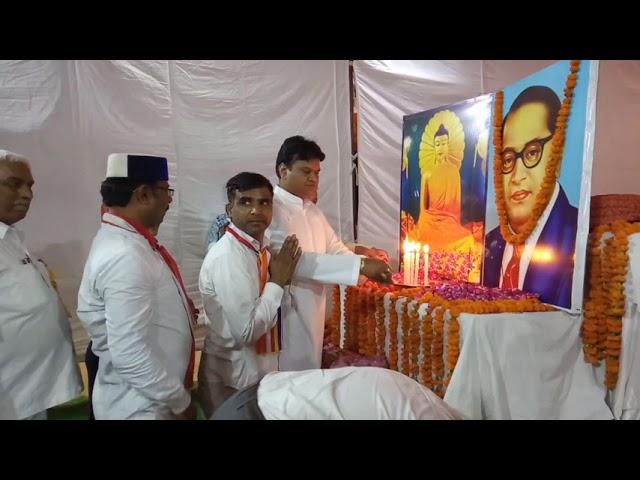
(135, 315)
(530, 243)
(325, 261)
(237, 315)
(37, 361)
(349, 393)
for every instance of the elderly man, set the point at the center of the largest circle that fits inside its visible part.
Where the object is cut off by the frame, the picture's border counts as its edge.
(132, 300)
(37, 362)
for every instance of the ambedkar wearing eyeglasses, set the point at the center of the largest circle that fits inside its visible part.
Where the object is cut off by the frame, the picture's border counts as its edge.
(544, 264)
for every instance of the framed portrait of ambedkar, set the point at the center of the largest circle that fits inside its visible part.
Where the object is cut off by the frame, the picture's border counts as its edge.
(539, 185)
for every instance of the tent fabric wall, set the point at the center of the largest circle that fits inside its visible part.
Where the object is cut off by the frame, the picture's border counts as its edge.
(389, 89)
(212, 119)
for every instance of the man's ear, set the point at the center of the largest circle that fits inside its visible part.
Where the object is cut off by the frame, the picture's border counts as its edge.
(282, 169)
(227, 209)
(141, 194)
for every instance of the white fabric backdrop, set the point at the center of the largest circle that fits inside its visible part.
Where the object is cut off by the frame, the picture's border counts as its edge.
(212, 119)
(389, 89)
(215, 118)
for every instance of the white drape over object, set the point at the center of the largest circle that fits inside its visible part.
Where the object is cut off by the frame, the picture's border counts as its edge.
(349, 393)
(525, 366)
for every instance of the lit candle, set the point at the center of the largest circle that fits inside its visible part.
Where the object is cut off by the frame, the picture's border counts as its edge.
(425, 281)
(410, 264)
(416, 263)
(412, 256)
(405, 261)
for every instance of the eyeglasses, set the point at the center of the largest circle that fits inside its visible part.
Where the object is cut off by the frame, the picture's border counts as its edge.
(531, 155)
(170, 191)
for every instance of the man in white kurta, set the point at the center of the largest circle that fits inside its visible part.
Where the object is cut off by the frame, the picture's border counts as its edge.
(325, 259)
(242, 308)
(348, 393)
(132, 302)
(37, 362)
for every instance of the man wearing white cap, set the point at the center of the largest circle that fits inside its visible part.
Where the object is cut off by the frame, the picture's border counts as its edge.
(132, 300)
(37, 362)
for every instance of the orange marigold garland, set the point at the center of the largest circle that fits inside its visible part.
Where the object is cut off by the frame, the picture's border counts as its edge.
(334, 327)
(606, 299)
(415, 339)
(423, 353)
(551, 170)
(453, 343)
(355, 323)
(426, 339)
(594, 323)
(404, 328)
(615, 263)
(380, 331)
(437, 358)
(364, 324)
(393, 333)
(348, 318)
(371, 324)
(362, 321)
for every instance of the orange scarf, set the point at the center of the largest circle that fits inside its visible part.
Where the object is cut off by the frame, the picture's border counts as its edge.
(173, 266)
(270, 342)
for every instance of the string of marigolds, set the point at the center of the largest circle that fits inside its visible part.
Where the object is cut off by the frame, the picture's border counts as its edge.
(414, 334)
(606, 297)
(348, 318)
(404, 328)
(426, 340)
(371, 324)
(594, 328)
(393, 333)
(362, 321)
(334, 327)
(421, 336)
(380, 330)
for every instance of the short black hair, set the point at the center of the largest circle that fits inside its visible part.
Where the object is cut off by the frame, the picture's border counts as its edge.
(537, 94)
(116, 191)
(297, 148)
(246, 181)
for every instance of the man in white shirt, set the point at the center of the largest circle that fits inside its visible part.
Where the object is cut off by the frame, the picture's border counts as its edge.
(325, 259)
(133, 303)
(37, 361)
(347, 393)
(241, 291)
